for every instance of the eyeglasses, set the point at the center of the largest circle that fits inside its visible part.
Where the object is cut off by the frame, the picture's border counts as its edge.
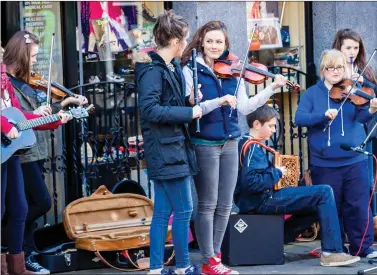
(332, 69)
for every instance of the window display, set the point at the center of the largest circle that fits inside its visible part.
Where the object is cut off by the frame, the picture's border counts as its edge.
(110, 30)
(108, 33)
(43, 19)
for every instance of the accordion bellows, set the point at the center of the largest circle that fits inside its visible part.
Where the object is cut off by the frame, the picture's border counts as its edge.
(291, 163)
(292, 173)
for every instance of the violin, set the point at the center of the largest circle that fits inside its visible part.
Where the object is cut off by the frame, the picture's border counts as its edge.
(359, 96)
(254, 73)
(58, 91)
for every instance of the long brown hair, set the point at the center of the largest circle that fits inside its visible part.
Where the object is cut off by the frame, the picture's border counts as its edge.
(169, 26)
(197, 40)
(17, 54)
(360, 60)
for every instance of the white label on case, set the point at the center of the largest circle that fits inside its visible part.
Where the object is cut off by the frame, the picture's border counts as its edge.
(240, 226)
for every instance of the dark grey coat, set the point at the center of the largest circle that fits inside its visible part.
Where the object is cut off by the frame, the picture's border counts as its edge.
(163, 119)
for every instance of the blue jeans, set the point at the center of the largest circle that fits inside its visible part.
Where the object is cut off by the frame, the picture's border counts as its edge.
(371, 172)
(171, 195)
(13, 201)
(351, 188)
(309, 200)
(38, 200)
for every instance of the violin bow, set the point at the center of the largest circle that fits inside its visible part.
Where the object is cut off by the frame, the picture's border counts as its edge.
(353, 86)
(49, 71)
(244, 64)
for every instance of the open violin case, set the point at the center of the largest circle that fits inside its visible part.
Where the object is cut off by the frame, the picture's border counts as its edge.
(101, 230)
(106, 222)
(57, 252)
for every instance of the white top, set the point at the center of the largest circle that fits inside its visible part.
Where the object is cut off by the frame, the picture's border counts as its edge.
(5, 101)
(245, 105)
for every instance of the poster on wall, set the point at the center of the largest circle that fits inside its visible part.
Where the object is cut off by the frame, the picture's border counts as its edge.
(267, 34)
(43, 19)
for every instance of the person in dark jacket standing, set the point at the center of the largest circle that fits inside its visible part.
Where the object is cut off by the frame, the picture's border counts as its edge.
(344, 171)
(170, 157)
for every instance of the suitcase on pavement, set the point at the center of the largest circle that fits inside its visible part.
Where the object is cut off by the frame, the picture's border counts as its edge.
(111, 222)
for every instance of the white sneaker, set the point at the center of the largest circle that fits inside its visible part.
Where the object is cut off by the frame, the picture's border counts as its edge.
(162, 271)
(32, 265)
(372, 255)
(114, 77)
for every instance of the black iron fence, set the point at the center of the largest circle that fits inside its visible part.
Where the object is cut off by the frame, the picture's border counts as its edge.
(108, 146)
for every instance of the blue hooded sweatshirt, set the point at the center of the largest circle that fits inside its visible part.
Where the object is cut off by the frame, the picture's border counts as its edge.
(346, 128)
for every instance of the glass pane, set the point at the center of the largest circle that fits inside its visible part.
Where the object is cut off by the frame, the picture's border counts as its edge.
(108, 34)
(43, 19)
(110, 30)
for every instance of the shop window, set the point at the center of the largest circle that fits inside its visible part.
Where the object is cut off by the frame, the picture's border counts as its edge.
(43, 19)
(107, 34)
(279, 38)
(279, 42)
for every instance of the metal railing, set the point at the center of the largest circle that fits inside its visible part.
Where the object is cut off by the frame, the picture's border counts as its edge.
(106, 148)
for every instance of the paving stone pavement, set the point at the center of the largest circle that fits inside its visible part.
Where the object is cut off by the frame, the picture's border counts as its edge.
(298, 261)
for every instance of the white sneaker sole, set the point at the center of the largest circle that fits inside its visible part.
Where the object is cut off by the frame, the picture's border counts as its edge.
(350, 261)
(372, 255)
(233, 272)
(40, 272)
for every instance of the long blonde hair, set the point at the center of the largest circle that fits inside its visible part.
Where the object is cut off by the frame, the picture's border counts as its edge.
(330, 58)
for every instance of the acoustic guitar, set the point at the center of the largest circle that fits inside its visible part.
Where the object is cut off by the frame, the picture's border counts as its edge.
(26, 138)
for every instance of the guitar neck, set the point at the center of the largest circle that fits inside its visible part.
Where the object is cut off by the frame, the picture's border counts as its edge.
(28, 124)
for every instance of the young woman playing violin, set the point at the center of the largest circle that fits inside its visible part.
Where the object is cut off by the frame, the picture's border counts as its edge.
(20, 55)
(216, 145)
(13, 199)
(352, 46)
(343, 170)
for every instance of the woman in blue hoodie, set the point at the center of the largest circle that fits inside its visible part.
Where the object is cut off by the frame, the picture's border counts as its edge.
(343, 170)
(352, 46)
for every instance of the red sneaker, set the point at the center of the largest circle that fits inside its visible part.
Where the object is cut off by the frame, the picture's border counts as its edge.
(215, 267)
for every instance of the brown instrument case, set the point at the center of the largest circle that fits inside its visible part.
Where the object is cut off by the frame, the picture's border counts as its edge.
(111, 222)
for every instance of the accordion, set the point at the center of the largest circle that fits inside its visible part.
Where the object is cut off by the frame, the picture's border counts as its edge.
(291, 163)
